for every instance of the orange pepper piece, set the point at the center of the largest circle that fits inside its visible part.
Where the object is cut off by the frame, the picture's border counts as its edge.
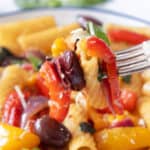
(13, 138)
(123, 138)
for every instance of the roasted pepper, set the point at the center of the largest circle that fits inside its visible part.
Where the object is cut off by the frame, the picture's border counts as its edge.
(128, 99)
(58, 47)
(123, 35)
(123, 138)
(97, 47)
(50, 83)
(13, 138)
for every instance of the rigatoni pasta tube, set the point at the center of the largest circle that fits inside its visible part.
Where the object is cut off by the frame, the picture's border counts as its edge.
(80, 140)
(93, 90)
(9, 32)
(83, 142)
(134, 85)
(44, 39)
(75, 116)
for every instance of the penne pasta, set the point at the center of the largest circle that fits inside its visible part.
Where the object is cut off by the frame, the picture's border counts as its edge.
(44, 39)
(83, 142)
(93, 90)
(75, 116)
(135, 84)
(9, 32)
(80, 140)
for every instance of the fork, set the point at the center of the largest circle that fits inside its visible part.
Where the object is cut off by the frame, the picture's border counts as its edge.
(134, 59)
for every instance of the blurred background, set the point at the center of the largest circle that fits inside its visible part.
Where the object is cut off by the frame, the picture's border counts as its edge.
(138, 8)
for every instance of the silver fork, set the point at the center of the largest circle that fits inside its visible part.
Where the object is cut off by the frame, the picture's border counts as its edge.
(134, 59)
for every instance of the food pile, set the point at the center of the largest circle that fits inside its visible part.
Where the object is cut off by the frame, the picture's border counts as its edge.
(60, 88)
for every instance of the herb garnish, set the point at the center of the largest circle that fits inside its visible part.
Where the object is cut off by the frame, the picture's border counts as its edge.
(35, 61)
(87, 127)
(101, 74)
(96, 30)
(127, 79)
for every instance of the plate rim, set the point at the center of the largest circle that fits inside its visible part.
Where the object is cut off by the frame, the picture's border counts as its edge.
(98, 10)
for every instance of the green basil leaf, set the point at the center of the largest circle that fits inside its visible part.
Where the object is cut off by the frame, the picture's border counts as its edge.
(87, 127)
(127, 79)
(35, 61)
(101, 74)
(97, 31)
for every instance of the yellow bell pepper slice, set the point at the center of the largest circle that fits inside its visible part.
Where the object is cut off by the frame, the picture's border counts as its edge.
(58, 47)
(13, 138)
(123, 138)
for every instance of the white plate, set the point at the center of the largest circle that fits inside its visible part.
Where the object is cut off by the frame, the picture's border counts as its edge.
(67, 15)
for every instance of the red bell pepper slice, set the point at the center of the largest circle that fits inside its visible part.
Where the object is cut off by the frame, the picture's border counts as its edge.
(123, 35)
(97, 47)
(128, 99)
(12, 110)
(49, 81)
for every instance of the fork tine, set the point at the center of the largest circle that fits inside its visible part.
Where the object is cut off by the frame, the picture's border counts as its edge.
(131, 61)
(121, 73)
(133, 66)
(129, 49)
(129, 54)
(134, 59)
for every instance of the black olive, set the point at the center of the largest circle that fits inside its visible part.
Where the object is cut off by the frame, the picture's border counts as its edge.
(7, 58)
(46, 147)
(11, 60)
(83, 20)
(4, 52)
(127, 79)
(51, 132)
(70, 70)
(87, 127)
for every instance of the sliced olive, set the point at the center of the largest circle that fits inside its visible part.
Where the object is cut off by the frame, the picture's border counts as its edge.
(70, 70)
(83, 20)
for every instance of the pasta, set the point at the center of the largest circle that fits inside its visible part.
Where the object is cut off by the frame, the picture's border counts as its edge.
(80, 140)
(93, 90)
(135, 84)
(146, 89)
(75, 116)
(98, 120)
(83, 142)
(10, 32)
(43, 40)
(143, 107)
(146, 75)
